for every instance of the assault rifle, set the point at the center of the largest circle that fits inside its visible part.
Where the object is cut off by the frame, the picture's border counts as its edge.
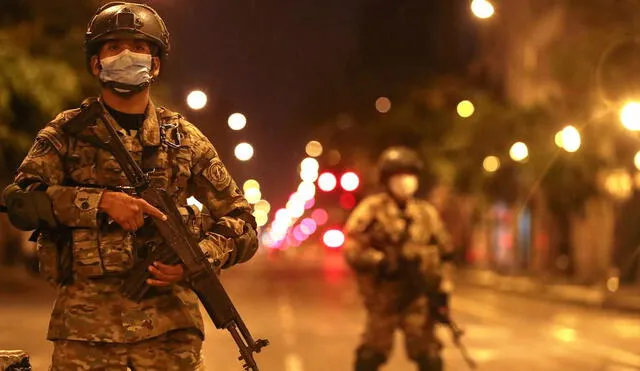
(418, 284)
(179, 247)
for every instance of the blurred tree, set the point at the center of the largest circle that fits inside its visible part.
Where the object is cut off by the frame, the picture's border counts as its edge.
(41, 68)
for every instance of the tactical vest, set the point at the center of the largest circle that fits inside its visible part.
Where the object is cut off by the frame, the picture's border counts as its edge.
(110, 250)
(389, 225)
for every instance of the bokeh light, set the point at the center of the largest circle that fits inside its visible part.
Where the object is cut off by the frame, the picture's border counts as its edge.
(196, 100)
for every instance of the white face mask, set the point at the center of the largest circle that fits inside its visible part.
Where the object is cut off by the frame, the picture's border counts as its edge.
(126, 71)
(403, 186)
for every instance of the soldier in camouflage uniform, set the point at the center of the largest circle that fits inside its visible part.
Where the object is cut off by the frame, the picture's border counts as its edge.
(383, 229)
(75, 194)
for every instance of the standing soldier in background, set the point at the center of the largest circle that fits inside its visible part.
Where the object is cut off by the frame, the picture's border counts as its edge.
(91, 231)
(389, 236)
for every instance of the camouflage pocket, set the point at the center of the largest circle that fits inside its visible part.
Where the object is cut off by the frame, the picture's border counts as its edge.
(182, 167)
(47, 253)
(116, 248)
(86, 254)
(80, 162)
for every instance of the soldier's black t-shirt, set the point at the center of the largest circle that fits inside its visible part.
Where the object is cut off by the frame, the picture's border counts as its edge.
(128, 121)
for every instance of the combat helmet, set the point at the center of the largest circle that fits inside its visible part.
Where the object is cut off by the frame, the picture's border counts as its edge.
(398, 160)
(121, 19)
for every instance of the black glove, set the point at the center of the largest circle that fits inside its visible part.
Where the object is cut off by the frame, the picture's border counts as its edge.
(386, 269)
(439, 306)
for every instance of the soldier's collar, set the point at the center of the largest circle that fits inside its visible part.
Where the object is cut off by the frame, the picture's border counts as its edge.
(150, 135)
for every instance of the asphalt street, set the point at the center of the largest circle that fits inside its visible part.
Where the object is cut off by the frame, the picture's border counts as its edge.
(309, 309)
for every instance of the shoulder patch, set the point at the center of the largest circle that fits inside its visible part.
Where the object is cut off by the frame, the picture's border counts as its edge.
(41, 147)
(217, 174)
(52, 137)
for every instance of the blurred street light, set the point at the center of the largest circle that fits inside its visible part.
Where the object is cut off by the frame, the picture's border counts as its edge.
(309, 175)
(630, 116)
(196, 100)
(327, 182)
(333, 238)
(309, 164)
(313, 148)
(465, 109)
(251, 183)
(262, 205)
(261, 217)
(568, 139)
(237, 121)
(636, 160)
(518, 152)
(482, 9)
(243, 151)
(491, 164)
(383, 104)
(349, 181)
(320, 216)
(306, 190)
(619, 184)
(253, 195)
(334, 157)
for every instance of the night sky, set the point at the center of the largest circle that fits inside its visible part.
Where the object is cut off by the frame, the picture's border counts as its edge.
(266, 57)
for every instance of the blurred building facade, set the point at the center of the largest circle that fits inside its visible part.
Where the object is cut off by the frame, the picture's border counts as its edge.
(518, 47)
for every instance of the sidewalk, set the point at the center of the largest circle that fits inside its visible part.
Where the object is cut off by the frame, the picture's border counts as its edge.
(16, 280)
(593, 296)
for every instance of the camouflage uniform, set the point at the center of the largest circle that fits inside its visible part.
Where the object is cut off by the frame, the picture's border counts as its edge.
(91, 309)
(14, 360)
(376, 225)
(58, 189)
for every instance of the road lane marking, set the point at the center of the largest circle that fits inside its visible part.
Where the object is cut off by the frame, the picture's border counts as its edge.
(292, 361)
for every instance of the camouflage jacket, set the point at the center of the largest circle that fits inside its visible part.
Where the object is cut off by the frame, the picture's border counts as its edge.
(77, 173)
(377, 224)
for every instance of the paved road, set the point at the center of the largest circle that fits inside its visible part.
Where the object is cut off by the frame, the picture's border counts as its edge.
(310, 311)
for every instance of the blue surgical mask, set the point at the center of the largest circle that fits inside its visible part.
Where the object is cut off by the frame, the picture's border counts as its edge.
(126, 72)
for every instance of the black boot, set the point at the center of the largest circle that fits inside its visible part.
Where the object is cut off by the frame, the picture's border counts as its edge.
(368, 360)
(430, 364)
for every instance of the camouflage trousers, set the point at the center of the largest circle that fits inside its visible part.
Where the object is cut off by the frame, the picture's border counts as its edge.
(179, 350)
(418, 329)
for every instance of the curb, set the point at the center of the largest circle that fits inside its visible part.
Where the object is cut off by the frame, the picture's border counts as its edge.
(591, 296)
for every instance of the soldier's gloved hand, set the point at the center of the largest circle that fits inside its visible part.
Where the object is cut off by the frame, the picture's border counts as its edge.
(386, 269)
(165, 275)
(127, 211)
(439, 306)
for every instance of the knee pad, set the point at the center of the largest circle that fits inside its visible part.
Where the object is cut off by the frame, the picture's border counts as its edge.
(368, 359)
